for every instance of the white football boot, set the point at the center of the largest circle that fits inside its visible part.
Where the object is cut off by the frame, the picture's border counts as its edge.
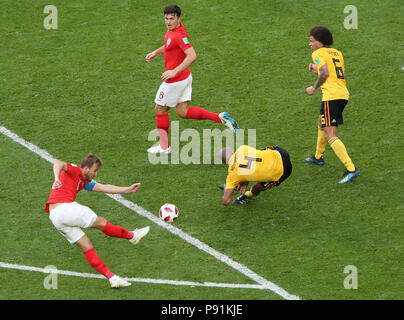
(158, 149)
(229, 121)
(139, 234)
(118, 282)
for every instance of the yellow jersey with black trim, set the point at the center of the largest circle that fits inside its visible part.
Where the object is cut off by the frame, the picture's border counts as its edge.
(334, 87)
(250, 164)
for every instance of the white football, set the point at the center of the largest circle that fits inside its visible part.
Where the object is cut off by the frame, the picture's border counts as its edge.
(168, 212)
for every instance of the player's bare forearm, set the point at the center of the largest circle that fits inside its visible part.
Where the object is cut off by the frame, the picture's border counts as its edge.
(109, 188)
(320, 81)
(154, 53)
(189, 59)
(159, 50)
(228, 193)
(322, 77)
(58, 167)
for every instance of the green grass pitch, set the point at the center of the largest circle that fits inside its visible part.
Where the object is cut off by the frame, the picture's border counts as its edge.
(86, 87)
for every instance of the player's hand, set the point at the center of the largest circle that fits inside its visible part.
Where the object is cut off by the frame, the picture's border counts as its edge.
(56, 184)
(168, 74)
(242, 188)
(312, 68)
(150, 56)
(310, 90)
(134, 187)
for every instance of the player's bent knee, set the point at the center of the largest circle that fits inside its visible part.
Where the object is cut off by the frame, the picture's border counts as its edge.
(160, 109)
(181, 110)
(330, 133)
(99, 223)
(181, 113)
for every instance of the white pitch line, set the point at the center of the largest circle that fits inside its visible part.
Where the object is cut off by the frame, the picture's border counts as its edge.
(30, 146)
(178, 232)
(143, 280)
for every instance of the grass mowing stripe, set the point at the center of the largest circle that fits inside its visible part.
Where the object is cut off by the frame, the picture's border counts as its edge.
(143, 212)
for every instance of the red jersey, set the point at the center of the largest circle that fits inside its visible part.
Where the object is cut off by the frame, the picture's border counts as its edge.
(72, 182)
(175, 43)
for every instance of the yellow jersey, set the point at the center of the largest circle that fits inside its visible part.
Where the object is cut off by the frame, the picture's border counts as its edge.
(334, 87)
(250, 164)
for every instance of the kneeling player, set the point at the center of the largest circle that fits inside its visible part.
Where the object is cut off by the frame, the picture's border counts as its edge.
(267, 167)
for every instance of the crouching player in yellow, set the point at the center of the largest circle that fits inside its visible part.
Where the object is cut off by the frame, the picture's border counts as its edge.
(267, 167)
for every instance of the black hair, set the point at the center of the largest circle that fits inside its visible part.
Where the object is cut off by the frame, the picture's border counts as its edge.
(323, 35)
(173, 9)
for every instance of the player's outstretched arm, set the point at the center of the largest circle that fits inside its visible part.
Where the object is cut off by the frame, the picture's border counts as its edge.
(109, 188)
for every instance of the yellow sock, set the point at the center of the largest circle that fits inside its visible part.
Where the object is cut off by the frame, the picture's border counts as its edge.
(321, 143)
(249, 194)
(340, 150)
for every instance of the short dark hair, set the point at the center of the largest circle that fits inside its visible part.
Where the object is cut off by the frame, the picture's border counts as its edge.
(89, 161)
(322, 34)
(173, 9)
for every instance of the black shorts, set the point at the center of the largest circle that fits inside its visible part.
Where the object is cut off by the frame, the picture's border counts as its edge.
(287, 169)
(331, 112)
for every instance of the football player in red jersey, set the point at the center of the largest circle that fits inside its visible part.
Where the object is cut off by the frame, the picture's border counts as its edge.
(176, 89)
(69, 217)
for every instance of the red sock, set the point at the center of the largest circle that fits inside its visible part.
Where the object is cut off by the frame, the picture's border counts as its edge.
(117, 231)
(202, 114)
(163, 123)
(95, 261)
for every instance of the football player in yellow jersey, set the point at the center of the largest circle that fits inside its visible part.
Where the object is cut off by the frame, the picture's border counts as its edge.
(267, 167)
(329, 65)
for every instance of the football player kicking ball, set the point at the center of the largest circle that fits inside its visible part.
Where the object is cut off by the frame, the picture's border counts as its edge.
(69, 217)
(267, 167)
(176, 89)
(329, 64)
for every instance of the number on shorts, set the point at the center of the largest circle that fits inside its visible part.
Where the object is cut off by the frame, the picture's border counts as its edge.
(161, 95)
